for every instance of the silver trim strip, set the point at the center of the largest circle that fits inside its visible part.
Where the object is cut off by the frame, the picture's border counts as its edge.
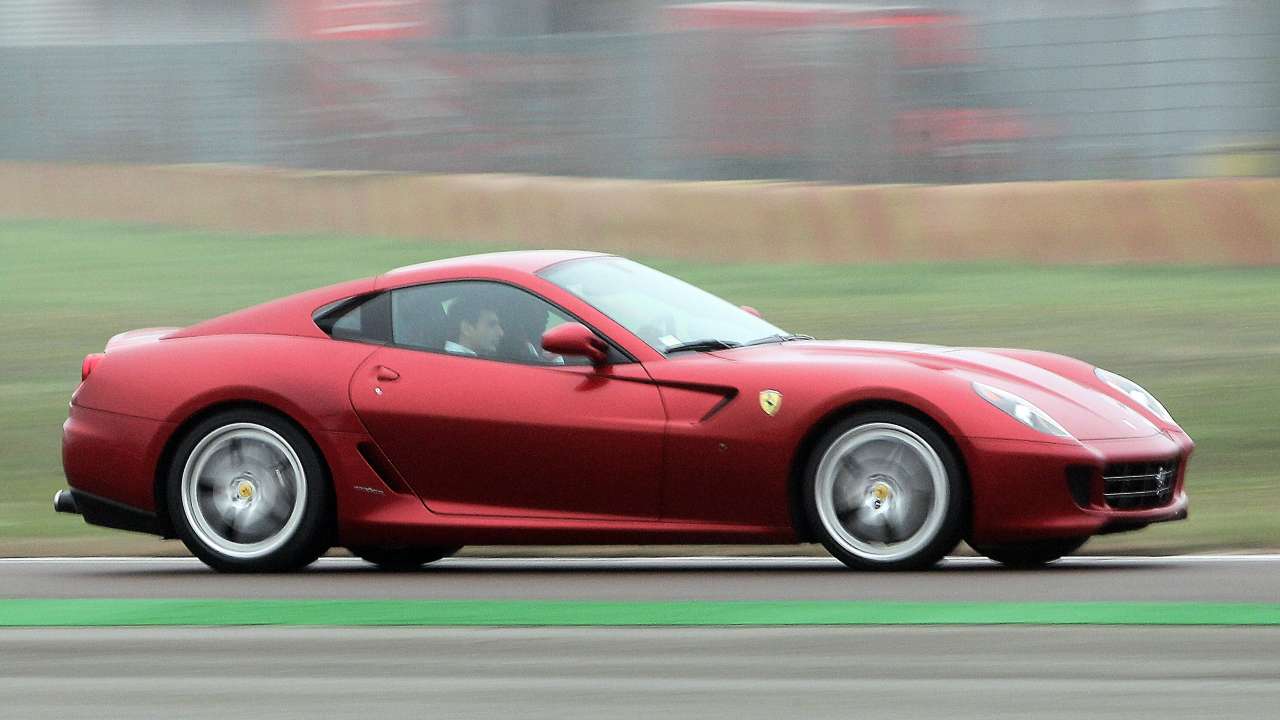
(1133, 477)
(1140, 493)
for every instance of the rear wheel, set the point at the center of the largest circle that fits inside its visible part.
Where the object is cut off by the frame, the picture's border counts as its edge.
(403, 559)
(884, 492)
(1031, 554)
(247, 492)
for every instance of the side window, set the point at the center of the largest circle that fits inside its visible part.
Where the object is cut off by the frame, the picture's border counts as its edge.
(363, 319)
(418, 315)
(472, 318)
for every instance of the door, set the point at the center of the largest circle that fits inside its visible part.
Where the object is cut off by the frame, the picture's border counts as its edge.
(481, 422)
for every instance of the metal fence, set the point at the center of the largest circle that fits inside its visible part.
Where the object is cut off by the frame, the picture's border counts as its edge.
(1134, 89)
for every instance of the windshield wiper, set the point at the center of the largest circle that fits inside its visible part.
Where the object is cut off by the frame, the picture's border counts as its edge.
(703, 345)
(776, 338)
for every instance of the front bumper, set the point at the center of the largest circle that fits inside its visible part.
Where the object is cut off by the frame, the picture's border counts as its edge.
(1023, 490)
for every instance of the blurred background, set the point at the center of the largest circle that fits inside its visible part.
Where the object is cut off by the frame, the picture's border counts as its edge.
(940, 91)
(1091, 177)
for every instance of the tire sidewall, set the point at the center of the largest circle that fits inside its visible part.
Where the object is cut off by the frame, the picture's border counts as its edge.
(955, 516)
(1031, 554)
(309, 538)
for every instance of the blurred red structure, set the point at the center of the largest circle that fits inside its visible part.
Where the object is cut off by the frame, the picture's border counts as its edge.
(784, 89)
(362, 19)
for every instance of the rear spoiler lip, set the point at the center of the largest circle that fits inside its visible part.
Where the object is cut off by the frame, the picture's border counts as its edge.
(141, 336)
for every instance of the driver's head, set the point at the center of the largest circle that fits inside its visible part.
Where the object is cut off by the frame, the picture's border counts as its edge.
(474, 324)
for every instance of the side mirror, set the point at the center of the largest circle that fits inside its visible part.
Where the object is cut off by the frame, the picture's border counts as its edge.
(753, 311)
(575, 339)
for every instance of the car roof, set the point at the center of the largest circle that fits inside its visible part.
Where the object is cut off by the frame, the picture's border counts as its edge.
(527, 261)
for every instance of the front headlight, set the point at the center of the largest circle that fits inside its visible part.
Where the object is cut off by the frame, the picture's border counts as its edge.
(1135, 393)
(1021, 410)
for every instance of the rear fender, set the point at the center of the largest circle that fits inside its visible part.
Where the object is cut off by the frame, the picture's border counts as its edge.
(171, 380)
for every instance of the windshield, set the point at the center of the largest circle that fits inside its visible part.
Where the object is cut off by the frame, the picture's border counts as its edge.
(657, 308)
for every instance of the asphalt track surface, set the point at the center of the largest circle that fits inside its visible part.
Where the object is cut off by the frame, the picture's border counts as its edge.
(870, 672)
(1242, 578)
(969, 671)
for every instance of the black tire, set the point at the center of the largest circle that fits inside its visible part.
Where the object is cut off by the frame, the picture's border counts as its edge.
(1031, 554)
(306, 532)
(934, 538)
(403, 559)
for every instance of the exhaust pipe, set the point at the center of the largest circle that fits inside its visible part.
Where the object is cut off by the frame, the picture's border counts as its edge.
(65, 502)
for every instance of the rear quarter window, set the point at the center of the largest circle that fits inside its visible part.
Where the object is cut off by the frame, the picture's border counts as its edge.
(361, 319)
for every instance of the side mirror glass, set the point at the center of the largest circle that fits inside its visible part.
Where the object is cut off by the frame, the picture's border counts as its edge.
(575, 339)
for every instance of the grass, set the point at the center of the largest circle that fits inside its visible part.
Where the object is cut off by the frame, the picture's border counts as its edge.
(1204, 340)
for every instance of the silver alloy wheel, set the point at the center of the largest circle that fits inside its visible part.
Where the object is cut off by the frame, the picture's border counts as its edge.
(881, 492)
(243, 490)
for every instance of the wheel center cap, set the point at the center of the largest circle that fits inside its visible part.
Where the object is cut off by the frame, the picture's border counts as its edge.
(244, 490)
(881, 491)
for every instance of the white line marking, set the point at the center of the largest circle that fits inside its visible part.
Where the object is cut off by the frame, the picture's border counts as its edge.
(660, 563)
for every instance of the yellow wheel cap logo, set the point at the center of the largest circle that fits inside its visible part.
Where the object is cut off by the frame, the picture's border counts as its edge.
(246, 490)
(880, 492)
(770, 402)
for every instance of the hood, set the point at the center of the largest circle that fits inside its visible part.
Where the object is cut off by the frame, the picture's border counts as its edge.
(1084, 407)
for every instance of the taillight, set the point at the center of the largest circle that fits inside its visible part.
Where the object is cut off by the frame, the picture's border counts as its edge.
(90, 362)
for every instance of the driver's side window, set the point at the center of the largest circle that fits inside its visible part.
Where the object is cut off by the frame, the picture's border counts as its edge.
(476, 319)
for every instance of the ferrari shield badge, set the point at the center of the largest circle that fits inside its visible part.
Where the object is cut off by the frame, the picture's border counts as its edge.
(770, 402)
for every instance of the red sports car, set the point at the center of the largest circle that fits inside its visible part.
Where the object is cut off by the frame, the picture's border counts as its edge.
(576, 398)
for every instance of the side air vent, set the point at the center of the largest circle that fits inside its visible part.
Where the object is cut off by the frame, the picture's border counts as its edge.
(383, 468)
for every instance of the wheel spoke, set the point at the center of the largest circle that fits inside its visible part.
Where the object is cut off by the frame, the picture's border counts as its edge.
(894, 456)
(845, 492)
(916, 471)
(851, 464)
(849, 515)
(230, 518)
(288, 490)
(257, 519)
(890, 530)
(278, 511)
(263, 454)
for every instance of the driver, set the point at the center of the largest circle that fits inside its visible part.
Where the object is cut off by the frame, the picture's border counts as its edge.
(474, 328)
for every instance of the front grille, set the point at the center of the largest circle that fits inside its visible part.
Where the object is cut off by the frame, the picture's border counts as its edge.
(1139, 485)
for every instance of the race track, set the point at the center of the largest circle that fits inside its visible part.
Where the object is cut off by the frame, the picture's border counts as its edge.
(965, 672)
(868, 671)
(1245, 578)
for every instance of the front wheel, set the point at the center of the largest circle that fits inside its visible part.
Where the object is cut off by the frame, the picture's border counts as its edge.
(246, 492)
(884, 491)
(403, 559)
(1032, 553)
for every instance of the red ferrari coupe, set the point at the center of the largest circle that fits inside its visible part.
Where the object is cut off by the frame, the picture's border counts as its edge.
(576, 398)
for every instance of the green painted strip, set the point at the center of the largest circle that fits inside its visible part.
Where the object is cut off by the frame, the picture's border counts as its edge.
(124, 612)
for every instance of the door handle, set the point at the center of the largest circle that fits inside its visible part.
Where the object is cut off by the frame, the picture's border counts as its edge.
(386, 374)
